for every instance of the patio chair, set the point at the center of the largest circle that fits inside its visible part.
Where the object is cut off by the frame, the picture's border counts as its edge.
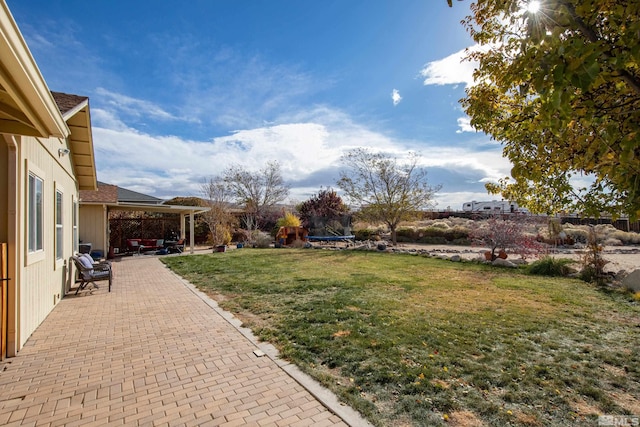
(91, 272)
(180, 245)
(175, 247)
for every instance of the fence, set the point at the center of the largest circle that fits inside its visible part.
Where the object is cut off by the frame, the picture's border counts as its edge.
(122, 229)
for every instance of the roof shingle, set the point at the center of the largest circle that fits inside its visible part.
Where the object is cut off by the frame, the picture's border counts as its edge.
(106, 193)
(66, 101)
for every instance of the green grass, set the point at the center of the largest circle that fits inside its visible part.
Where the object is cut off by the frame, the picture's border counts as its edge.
(408, 340)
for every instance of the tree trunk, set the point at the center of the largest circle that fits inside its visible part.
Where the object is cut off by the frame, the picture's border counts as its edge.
(394, 237)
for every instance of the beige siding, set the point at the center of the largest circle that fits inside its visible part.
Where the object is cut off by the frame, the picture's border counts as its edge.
(44, 278)
(93, 227)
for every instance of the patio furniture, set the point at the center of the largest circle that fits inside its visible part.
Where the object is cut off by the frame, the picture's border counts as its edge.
(174, 246)
(133, 245)
(144, 245)
(91, 272)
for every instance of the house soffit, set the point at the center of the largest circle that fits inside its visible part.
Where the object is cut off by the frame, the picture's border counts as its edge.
(26, 105)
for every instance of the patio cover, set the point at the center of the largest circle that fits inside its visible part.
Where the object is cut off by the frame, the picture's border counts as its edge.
(184, 211)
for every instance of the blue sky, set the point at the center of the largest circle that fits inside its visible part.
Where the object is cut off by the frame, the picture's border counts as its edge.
(180, 91)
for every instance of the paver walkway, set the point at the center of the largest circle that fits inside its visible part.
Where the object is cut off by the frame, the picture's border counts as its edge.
(151, 352)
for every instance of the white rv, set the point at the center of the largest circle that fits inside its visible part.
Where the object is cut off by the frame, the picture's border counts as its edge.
(492, 207)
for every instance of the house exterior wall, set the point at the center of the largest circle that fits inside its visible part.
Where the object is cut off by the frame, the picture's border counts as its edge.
(32, 131)
(44, 273)
(93, 227)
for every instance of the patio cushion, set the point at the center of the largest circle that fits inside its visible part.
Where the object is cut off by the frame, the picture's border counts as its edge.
(87, 262)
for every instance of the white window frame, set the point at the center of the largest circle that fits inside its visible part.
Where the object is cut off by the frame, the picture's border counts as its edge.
(35, 212)
(59, 224)
(74, 213)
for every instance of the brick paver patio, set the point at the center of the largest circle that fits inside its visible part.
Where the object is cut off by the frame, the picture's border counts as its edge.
(151, 352)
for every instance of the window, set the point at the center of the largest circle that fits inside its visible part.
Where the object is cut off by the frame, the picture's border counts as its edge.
(59, 227)
(35, 230)
(75, 225)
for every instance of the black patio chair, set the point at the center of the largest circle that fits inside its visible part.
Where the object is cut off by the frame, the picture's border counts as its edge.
(91, 272)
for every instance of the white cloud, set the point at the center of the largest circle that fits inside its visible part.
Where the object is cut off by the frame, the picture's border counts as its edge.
(133, 107)
(307, 144)
(395, 96)
(465, 125)
(450, 70)
(490, 163)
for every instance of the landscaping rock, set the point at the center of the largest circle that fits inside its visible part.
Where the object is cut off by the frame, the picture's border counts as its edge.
(456, 258)
(632, 281)
(499, 262)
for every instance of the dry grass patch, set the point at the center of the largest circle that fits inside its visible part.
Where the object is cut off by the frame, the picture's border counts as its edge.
(464, 419)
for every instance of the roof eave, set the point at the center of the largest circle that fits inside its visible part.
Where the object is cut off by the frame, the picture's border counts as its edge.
(31, 107)
(81, 145)
(176, 209)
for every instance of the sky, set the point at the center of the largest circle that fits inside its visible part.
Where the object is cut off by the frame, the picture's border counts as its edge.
(180, 91)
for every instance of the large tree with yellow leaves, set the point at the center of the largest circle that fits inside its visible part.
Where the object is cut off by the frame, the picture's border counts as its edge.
(558, 84)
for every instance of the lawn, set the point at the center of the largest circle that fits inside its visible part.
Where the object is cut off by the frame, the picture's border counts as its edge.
(409, 340)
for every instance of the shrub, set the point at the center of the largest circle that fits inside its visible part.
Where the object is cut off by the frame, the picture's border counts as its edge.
(288, 220)
(367, 234)
(612, 242)
(592, 260)
(261, 239)
(549, 266)
(407, 234)
(578, 235)
(626, 237)
(440, 224)
(240, 236)
(508, 235)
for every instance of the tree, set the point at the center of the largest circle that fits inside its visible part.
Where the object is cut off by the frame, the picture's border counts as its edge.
(559, 87)
(220, 218)
(257, 191)
(326, 204)
(383, 189)
(506, 235)
(288, 220)
(200, 227)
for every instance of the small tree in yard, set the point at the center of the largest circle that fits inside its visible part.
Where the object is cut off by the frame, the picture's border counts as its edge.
(219, 218)
(257, 191)
(326, 204)
(503, 234)
(384, 189)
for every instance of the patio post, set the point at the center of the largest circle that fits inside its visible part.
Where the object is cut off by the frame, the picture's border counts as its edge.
(192, 233)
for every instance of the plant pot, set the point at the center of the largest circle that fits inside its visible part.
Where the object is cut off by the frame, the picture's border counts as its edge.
(221, 248)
